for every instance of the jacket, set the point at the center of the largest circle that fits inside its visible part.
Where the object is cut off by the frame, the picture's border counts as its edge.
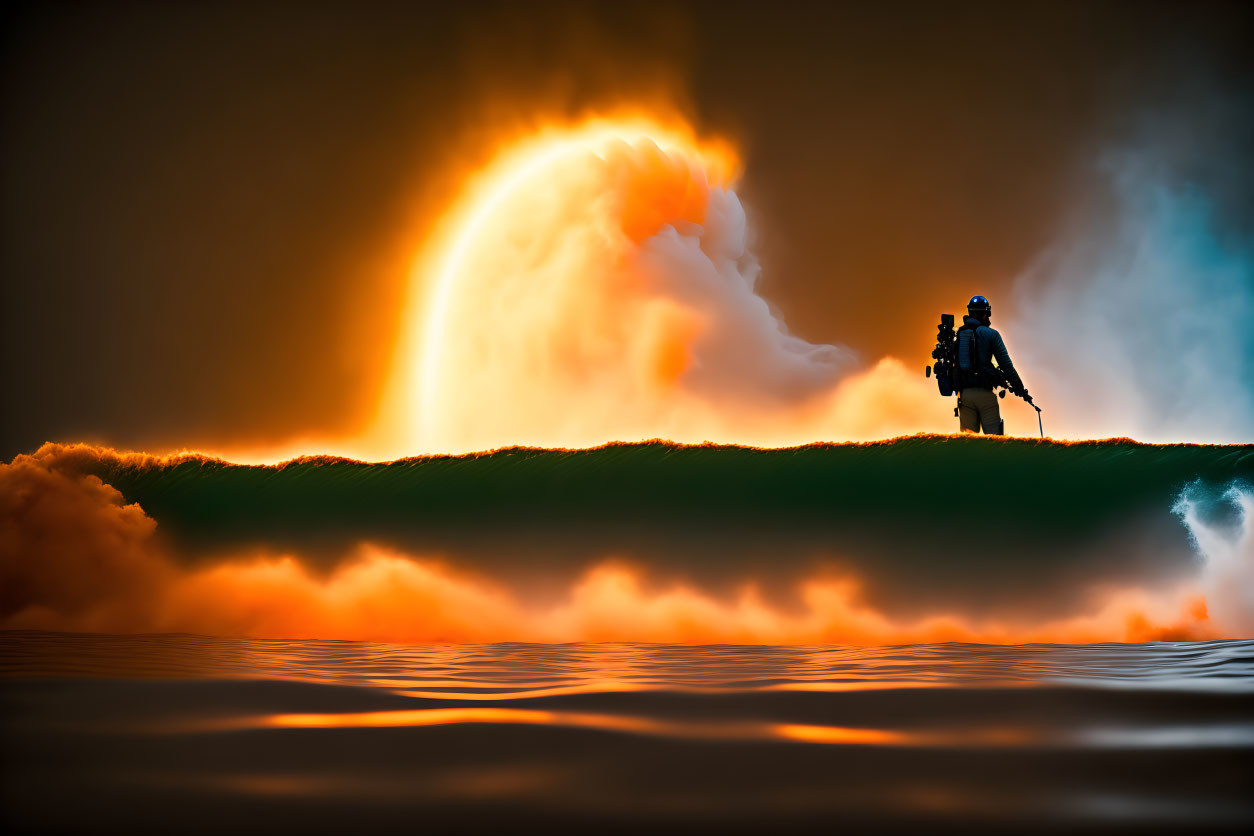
(989, 346)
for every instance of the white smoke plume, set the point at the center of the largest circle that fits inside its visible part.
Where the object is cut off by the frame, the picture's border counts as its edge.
(1139, 321)
(1227, 553)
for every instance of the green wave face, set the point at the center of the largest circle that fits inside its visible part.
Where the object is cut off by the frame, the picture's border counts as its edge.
(973, 522)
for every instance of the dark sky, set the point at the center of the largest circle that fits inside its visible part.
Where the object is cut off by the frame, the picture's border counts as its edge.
(208, 209)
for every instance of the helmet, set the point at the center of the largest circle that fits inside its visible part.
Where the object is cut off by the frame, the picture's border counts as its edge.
(978, 303)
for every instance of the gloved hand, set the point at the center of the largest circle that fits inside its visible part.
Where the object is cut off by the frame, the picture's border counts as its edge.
(1024, 394)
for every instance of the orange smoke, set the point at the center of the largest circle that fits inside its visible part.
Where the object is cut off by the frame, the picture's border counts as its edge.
(74, 557)
(595, 282)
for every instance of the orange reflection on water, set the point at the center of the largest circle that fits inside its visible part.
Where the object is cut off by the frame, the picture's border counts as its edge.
(996, 737)
(417, 717)
(594, 687)
(458, 690)
(842, 735)
(520, 716)
(863, 685)
(688, 729)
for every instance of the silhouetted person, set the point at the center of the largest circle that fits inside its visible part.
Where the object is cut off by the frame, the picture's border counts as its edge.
(978, 346)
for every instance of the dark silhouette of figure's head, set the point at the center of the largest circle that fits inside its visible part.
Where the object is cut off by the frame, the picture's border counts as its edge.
(980, 308)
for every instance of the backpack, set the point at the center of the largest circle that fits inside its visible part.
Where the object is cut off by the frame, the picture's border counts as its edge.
(967, 370)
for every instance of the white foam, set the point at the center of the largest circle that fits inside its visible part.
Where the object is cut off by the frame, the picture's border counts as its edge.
(1227, 554)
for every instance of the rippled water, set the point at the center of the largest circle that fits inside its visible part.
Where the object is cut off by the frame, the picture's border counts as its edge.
(153, 733)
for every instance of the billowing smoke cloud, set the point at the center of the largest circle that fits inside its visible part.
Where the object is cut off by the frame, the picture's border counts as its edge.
(70, 551)
(610, 294)
(75, 557)
(1227, 552)
(1137, 321)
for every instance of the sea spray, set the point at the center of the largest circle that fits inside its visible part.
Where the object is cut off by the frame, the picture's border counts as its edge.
(1226, 547)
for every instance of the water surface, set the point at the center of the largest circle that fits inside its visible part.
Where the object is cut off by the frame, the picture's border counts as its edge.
(198, 734)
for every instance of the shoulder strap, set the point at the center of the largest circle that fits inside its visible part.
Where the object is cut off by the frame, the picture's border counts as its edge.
(973, 355)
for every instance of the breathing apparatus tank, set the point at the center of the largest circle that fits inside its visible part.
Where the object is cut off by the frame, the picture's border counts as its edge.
(946, 356)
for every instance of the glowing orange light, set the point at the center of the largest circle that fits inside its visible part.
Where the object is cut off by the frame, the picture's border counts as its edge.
(685, 729)
(593, 687)
(529, 175)
(593, 284)
(418, 717)
(838, 735)
(655, 727)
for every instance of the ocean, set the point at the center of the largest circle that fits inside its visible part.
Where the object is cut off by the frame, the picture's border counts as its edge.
(192, 734)
(933, 634)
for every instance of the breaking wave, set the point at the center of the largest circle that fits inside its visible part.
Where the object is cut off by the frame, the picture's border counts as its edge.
(918, 539)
